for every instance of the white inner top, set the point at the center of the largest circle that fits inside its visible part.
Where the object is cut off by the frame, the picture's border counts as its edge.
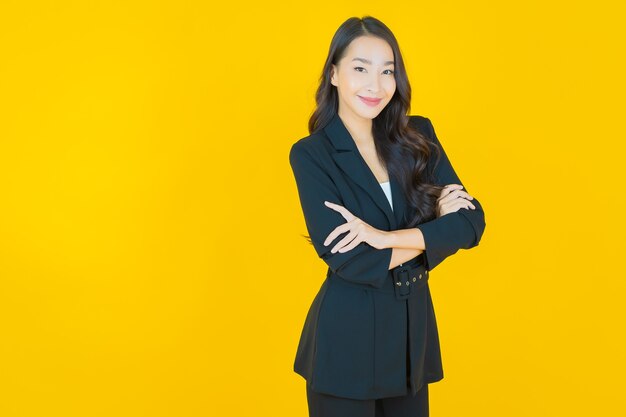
(387, 189)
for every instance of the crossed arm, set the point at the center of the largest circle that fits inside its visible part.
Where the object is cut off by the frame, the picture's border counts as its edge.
(365, 263)
(402, 255)
(408, 243)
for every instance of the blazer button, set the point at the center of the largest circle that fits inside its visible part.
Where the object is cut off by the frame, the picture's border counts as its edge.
(414, 279)
(407, 283)
(420, 276)
(426, 272)
(398, 283)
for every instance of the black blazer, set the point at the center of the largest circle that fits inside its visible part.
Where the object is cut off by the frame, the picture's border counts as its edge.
(359, 340)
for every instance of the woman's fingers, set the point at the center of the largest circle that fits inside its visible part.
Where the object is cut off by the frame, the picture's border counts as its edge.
(352, 237)
(452, 199)
(349, 238)
(338, 230)
(351, 246)
(463, 203)
(446, 192)
(456, 196)
(455, 193)
(342, 228)
(455, 205)
(353, 225)
(341, 209)
(447, 189)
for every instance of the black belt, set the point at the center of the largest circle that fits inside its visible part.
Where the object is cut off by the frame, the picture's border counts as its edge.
(408, 279)
(404, 281)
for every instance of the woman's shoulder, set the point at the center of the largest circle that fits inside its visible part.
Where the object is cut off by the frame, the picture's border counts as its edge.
(424, 126)
(421, 123)
(314, 145)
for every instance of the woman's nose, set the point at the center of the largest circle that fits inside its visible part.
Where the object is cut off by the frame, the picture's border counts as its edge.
(374, 84)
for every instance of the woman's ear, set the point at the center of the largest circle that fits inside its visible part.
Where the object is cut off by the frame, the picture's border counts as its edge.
(333, 75)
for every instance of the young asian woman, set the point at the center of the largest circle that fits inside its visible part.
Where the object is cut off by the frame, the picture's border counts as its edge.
(383, 207)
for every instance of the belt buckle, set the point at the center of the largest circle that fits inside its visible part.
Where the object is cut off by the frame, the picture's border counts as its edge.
(408, 279)
(401, 283)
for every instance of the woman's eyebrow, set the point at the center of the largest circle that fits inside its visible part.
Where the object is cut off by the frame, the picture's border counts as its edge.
(367, 61)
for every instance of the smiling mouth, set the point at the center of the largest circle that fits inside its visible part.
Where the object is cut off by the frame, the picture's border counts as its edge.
(370, 101)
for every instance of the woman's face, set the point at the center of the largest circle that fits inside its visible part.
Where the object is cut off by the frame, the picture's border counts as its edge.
(366, 71)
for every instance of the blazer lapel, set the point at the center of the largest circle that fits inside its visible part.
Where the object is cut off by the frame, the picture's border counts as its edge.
(352, 163)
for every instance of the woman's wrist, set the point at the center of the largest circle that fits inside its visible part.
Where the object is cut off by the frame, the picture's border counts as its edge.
(405, 238)
(389, 239)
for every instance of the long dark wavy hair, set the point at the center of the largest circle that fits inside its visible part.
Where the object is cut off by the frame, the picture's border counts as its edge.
(402, 149)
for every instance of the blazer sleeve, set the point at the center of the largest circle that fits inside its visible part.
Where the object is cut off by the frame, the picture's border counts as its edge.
(462, 229)
(363, 264)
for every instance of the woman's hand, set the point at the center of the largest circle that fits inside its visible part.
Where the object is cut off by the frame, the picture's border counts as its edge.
(452, 199)
(359, 231)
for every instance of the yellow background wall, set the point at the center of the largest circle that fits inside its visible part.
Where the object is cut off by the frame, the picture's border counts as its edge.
(151, 262)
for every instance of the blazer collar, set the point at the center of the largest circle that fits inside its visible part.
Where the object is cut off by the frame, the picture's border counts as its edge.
(351, 162)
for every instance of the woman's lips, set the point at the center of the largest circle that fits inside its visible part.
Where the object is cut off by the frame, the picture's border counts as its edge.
(370, 101)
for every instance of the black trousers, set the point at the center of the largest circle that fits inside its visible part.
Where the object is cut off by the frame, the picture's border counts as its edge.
(324, 405)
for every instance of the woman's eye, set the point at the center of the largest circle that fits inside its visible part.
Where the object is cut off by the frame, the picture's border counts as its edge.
(361, 68)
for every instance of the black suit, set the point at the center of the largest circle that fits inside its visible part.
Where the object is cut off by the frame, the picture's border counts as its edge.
(359, 339)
